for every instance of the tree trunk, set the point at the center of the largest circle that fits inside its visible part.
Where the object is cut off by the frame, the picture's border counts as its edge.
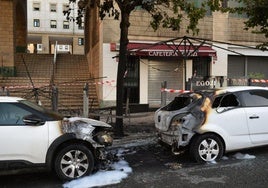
(124, 25)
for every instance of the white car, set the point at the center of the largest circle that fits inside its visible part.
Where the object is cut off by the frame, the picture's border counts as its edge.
(32, 135)
(210, 123)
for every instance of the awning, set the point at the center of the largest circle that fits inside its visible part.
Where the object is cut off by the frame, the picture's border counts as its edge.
(167, 50)
(164, 50)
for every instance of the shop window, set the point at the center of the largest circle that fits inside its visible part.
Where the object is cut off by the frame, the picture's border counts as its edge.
(53, 7)
(132, 80)
(36, 23)
(233, 4)
(36, 6)
(53, 24)
(201, 67)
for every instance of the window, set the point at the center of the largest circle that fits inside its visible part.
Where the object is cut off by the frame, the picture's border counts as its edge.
(255, 98)
(66, 24)
(229, 100)
(53, 7)
(65, 7)
(36, 23)
(81, 26)
(11, 114)
(53, 24)
(80, 41)
(36, 6)
(198, 3)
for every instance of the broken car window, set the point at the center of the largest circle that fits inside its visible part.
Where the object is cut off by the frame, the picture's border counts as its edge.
(182, 101)
(229, 100)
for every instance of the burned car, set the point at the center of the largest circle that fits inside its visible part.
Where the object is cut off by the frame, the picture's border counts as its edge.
(32, 136)
(209, 123)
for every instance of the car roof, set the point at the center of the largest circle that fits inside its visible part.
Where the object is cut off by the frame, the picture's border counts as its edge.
(241, 88)
(230, 89)
(10, 99)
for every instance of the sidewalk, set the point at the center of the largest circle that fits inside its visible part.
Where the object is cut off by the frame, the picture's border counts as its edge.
(139, 130)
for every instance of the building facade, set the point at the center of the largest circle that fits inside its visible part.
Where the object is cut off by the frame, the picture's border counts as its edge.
(228, 52)
(13, 37)
(47, 26)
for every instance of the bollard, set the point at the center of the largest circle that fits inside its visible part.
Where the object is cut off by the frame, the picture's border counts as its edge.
(163, 93)
(85, 101)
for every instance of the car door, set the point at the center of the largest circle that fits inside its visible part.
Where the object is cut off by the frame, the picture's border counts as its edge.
(256, 107)
(230, 120)
(19, 141)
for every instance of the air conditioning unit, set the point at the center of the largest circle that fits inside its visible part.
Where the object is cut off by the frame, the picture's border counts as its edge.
(39, 47)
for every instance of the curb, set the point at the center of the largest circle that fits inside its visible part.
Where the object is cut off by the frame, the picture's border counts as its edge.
(134, 140)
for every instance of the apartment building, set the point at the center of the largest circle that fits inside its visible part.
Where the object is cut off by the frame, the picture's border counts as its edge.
(47, 26)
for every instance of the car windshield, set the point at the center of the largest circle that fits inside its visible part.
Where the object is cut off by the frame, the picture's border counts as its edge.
(33, 105)
(49, 113)
(182, 101)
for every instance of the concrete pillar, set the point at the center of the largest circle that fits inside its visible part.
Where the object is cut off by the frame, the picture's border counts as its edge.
(7, 34)
(45, 45)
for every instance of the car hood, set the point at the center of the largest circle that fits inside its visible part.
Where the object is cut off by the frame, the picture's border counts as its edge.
(82, 126)
(91, 122)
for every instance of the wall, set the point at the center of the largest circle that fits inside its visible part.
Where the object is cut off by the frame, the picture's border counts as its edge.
(13, 29)
(6, 30)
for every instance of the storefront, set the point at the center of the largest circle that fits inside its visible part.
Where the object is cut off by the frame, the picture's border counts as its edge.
(149, 65)
(247, 66)
(172, 63)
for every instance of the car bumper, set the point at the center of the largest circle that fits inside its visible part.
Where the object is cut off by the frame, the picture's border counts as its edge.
(169, 138)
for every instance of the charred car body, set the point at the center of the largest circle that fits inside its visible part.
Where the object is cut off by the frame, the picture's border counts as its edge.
(32, 135)
(210, 123)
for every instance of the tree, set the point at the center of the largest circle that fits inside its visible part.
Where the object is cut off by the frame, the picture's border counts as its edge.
(257, 13)
(164, 13)
(159, 18)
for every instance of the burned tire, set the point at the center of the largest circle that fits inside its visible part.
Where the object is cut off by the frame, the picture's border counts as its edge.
(73, 161)
(206, 148)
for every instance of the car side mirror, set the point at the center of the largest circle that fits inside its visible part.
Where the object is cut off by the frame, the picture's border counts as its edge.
(33, 120)
(220, 109)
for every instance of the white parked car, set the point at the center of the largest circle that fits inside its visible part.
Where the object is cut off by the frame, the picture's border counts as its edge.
(32, 135)
(210, 123)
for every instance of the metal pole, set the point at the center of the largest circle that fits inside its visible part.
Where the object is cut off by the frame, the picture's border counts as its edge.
(163, 93)
(85, 101)
(54, 98)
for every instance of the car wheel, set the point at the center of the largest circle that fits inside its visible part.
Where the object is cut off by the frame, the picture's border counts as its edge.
(206, 148)
(73, 161)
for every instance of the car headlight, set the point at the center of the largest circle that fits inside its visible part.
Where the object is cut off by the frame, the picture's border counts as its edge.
(177, 121)
(104, 138)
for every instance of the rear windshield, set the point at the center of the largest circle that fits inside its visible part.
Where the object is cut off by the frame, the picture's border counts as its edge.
(182, 101)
